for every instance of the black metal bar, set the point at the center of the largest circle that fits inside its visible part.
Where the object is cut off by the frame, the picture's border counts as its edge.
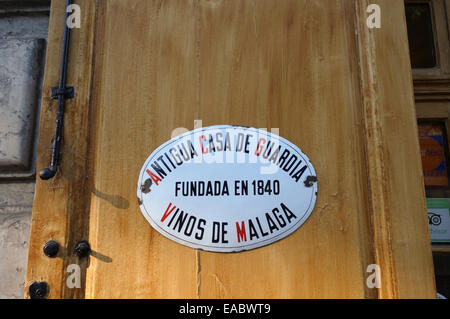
(61, 93)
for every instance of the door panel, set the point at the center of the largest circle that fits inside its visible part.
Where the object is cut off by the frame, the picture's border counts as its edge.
(281, 77)
(148, 67)
(145, 88)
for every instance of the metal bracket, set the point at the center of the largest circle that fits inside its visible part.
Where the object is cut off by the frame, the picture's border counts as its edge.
(67, 93)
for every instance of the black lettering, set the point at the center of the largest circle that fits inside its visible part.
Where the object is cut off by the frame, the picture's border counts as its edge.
(224, 233)
(209, 190)
(268, 150)
(190, 223)
(185, 189)
(239, 142)
(177, 188)
(271, 223)
(283, 157)
(217, 187)
(225, 190)
(227, 143)
(289, 215)
(274, 157)
(279, 217)
(216, 232)
(219, 142)
(176, 157)
(164, 163)
(180, 221)
(165, 154)
(201, 188)
(191, 147)
(291, 161)
(212, 147)
(293, 170)
(158, 169)
(173, 217)
(247, 143)
(252, 230)
(263, 233)
(183, 152)
(193, 188)
(300, 173)
(201, 228)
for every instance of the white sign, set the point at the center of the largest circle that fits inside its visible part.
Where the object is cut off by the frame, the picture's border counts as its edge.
(227, 188)
(439, 219)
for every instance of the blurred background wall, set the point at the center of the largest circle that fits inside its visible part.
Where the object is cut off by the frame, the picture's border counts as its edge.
(23, 37)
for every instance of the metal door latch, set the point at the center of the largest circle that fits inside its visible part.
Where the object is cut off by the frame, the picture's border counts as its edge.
(67, 93)
(61, 93)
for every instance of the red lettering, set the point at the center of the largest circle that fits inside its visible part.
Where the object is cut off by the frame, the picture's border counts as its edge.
(168, 212)
(154, 178)
(241, 235)
(203, 138)
(259, 147)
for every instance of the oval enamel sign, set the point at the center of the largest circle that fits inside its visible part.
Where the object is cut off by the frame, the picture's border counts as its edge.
(227, 188)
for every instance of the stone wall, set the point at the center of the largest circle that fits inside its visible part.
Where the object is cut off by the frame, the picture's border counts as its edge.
(23, 34)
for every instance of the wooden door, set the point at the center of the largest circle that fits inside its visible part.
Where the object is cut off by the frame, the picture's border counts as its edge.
(340, 91)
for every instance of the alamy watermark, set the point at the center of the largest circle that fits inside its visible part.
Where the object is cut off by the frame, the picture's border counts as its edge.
(74, 277)
(74, 16)
(374, 279)
(373, 20)
(213, 146)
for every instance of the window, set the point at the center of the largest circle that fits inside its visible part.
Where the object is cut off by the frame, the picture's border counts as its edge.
(428, 37)
(420, 35)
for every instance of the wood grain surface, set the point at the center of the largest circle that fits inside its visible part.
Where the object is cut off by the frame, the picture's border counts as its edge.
(311, 70)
